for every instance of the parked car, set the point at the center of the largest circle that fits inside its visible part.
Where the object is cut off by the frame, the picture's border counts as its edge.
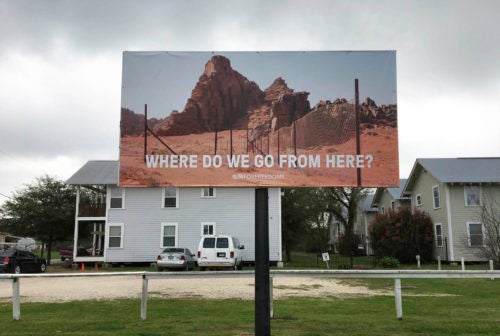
(16, 261)
(220, 251)
(67, 253)
(176, 257)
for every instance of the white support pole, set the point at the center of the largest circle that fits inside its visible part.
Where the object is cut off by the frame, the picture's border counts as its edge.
(16, 300)
(271, 280)
(418, 260)
(439, 263)
(491, 269)
(397, 297)
(463, 263)
(144, 298)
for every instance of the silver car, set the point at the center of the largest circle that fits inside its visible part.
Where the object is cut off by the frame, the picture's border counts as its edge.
(176, 258)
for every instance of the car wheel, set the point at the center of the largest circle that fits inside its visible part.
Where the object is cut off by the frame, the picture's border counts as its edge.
(17, 269)
(160, 269)
(202, 269)
(43, 268)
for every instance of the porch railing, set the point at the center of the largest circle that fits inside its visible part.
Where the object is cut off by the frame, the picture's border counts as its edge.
(92, 210)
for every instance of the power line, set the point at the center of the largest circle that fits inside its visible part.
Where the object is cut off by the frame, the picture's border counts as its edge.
(5, 196)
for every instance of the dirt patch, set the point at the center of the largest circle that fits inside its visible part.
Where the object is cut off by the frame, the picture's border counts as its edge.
(108, 288)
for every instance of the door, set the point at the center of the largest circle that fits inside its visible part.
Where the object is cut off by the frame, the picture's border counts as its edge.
(222, 248)
(208, 248)
(24, 260)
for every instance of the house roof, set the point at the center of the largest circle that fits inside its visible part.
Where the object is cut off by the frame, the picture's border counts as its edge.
(96, 172)
(366, 206)
(457, 170)
(394, 192)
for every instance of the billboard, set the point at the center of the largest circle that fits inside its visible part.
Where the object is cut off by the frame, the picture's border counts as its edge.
(271, 119)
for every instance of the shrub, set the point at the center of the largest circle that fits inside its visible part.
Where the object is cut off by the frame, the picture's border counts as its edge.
(389, 262)
(402, 234)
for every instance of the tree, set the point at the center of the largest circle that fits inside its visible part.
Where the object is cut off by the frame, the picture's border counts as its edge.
(297, 211)
(44, 210)
(402, 234)
(490, 217)
(343, 204)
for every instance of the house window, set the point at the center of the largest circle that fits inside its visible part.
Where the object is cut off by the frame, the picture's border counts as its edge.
(418, 200)
(435, 197)
(393, 205)
(117, 198)
(472, 195)
(169, 235)
(207, 228)
(115, 236)
(438, 230)
(475, 234)
(170, 197)
(208, 192)
(382, 209)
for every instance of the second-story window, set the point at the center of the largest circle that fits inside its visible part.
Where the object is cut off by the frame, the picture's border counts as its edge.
(472, 195)
(170, 197)
(435, 197)
(418, 200)
(208, 192)
(117, 198)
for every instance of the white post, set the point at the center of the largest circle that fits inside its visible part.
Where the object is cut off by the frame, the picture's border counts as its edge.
(271, 296)
(491, 269)
(16, 300)
(439, 263)
(144, 298)
(463, 263)
(397, 297)
(418, 261)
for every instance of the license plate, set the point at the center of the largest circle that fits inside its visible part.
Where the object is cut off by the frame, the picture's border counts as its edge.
(221, 254)
(170, 257)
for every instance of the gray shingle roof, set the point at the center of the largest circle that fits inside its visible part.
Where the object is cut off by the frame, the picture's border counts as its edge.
(96, 172)
(463, 170)
(394, 192)
(366, 206)
(456, 170)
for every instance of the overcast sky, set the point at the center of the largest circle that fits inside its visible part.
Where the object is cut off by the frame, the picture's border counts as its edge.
(60, 68)
(165, 80)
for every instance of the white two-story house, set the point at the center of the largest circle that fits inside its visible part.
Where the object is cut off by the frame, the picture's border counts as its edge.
(125, 225)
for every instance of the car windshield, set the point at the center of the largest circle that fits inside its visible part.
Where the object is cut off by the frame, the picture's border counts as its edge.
(173, 250)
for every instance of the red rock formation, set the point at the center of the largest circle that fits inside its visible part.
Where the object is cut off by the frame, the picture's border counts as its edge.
(276, 89)
(288, 107)
(221, 97)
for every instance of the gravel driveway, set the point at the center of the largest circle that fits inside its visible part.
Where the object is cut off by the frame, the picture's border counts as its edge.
(106, 288)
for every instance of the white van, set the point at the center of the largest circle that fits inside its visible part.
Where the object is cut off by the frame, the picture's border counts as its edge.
(220, 251)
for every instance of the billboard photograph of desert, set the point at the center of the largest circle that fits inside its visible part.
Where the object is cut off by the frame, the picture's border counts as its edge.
(259, 119)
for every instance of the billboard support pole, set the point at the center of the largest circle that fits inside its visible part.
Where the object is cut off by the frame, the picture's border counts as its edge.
(278, 142)
(215, 140)
(145, 130)
(268, 139)
(231, 141)
(262, 293)
(358, 145)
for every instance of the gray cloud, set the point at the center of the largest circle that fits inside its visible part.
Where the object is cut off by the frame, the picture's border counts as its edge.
(61, 60)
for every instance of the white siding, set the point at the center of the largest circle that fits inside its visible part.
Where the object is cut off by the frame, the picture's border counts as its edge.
(233, 211)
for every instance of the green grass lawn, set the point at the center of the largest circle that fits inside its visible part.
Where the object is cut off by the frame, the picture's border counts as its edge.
(430, 307)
